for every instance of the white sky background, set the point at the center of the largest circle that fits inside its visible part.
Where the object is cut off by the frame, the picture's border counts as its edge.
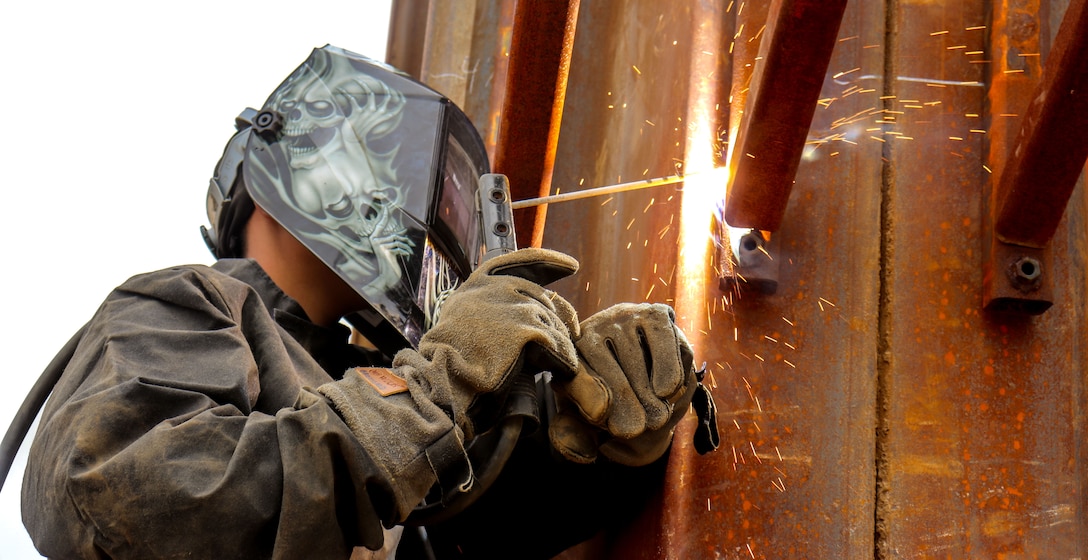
(115, 113)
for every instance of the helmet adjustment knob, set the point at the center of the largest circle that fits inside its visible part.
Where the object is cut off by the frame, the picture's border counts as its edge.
(268, 124)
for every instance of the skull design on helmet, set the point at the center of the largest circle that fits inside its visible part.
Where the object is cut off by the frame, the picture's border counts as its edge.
(336, 178)
(374, 173)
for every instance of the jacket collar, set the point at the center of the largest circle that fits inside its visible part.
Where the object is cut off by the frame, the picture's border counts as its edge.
(328, 345)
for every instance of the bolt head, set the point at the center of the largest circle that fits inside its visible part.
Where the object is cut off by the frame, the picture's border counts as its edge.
(1026, 273)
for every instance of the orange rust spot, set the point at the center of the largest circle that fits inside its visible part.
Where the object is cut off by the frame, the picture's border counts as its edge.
(950, 358)
(988, 370)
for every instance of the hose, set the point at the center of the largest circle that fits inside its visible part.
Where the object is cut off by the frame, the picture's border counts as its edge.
(32, 404)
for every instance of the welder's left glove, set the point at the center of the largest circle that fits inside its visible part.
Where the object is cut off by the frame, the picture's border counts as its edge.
(415, 418)
(635, 382)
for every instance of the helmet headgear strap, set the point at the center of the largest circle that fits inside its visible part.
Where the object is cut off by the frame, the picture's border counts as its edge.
(229, 204)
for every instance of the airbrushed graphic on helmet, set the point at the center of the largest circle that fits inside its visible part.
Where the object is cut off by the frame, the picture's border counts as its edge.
(375, 174)
(332, 114)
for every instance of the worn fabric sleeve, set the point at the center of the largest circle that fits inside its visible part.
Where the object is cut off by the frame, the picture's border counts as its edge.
(181, 428)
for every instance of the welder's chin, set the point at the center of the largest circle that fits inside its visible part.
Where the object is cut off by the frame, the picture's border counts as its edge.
(358, 264)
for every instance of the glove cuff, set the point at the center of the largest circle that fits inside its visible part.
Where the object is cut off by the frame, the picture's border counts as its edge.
(409, 436)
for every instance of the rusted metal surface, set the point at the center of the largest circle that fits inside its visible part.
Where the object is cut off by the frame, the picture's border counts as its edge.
(1038, 167)
(1049, 153)
(870, 407)
(983, 411)
(533, 106)
(486, 71)
(448, 50)
(792, 372)
(799, 38)
(465, 57)
(762, 275)
(1015, 70)
(407, 27)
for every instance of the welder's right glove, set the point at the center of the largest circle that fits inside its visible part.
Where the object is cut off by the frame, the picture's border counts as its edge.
(496, 324)
(635, 382)
(415, 419)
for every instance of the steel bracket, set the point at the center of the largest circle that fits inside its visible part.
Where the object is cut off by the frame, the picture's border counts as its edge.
(1015, 278)
(748, 265)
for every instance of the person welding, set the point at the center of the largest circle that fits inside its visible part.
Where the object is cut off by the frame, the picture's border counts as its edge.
(221, 412)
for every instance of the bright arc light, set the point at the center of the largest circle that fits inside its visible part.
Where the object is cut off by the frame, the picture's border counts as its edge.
(704, 187)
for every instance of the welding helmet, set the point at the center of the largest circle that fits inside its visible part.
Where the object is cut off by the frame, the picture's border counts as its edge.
(373, 172)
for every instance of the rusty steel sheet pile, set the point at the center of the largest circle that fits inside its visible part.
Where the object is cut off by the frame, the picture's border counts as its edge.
(870, 407)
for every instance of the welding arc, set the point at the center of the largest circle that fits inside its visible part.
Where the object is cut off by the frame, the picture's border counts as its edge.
(598, 191)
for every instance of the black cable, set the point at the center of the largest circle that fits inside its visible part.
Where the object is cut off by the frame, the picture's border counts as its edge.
(24, 417)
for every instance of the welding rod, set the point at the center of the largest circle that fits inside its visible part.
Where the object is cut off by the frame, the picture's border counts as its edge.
(598, 191)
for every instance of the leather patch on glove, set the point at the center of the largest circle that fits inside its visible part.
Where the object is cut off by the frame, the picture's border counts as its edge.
(384, 381)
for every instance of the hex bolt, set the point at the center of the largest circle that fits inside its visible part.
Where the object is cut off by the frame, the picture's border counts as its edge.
(1026, 274)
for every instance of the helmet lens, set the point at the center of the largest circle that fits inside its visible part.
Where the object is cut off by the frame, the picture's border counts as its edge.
(457, 200)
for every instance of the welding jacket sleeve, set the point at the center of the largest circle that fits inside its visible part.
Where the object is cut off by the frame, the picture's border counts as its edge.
(185, 426)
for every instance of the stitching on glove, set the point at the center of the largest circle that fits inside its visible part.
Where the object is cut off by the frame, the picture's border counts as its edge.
(450, 464)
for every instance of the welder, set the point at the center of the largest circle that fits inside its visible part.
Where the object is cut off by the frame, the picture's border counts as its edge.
(221, 412)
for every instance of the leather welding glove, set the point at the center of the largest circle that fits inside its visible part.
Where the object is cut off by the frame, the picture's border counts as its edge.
(415, 418)
(634, 384)
(500, 322)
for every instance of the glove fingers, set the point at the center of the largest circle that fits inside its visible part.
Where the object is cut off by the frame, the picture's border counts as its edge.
(555, 304)
(540, 266)
(555, 318)
(572, 438)
(566, 313)
(498, 323)
(638, 452)
(649, 446)
(587, 393)
(528, 313)
(627, 414)
(663, 342)
(631, 357)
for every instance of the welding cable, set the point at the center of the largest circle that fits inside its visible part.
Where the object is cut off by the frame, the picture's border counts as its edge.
(32, 404)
